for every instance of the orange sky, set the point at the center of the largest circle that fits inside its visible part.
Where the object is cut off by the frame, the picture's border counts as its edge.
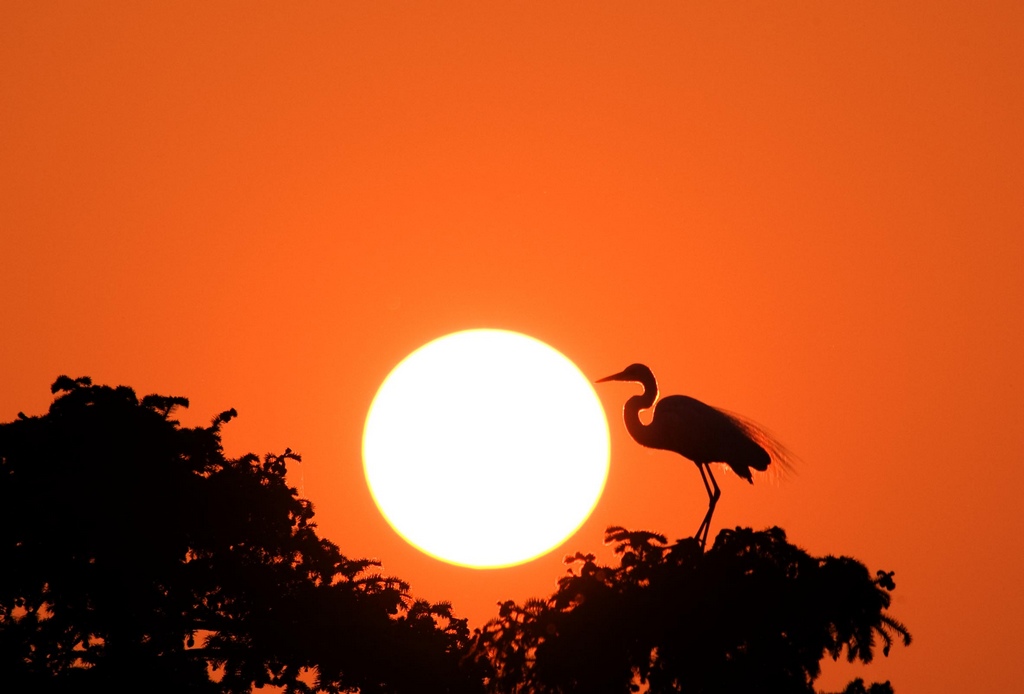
(809, 213)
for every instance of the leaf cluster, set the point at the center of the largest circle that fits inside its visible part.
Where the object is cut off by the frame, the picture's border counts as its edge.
(754, 613)
(136, 555)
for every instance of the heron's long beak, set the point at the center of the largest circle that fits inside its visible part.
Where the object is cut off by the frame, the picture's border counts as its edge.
(613, 377)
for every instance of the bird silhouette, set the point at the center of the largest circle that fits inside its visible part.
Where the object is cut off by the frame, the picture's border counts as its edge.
(697, 431)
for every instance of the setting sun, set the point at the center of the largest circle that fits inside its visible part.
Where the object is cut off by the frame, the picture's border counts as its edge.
(486, 448)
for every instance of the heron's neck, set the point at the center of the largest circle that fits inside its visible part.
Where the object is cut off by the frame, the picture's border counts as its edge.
(631, 412)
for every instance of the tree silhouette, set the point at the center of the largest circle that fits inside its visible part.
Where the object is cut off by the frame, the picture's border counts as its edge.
(136, 556)
(753, 613)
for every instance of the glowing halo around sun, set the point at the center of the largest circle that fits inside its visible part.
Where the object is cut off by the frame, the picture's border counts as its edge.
(486, 448)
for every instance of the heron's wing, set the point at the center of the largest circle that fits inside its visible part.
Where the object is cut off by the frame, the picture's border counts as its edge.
(701, 432)
(783, 460)
(715, 435)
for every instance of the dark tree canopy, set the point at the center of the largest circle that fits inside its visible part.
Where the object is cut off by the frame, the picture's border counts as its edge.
(753, 613)
(137, 557)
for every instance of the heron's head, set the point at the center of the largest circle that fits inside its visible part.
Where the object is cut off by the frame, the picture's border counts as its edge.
(636, 373)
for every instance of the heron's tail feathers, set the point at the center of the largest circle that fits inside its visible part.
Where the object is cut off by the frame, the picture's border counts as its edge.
(782, 463)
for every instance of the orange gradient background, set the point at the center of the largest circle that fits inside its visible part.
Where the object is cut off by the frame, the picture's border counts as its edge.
(809, 213)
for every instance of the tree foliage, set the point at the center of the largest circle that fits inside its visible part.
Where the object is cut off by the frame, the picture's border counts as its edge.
(753, 613)
(136, 556)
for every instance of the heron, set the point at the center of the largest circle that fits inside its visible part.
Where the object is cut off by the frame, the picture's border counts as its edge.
(697, 431)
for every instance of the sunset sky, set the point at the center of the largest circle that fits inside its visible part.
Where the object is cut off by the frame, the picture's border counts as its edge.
(806, 212)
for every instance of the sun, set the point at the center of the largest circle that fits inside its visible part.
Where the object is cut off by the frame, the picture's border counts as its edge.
(486, 448)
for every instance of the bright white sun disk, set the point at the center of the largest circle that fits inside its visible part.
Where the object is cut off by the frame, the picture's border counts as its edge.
(486, 448)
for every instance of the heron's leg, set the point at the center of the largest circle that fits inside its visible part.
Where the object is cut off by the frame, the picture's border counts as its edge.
(718, 492)
(702, 531)
(713, 494)
(704, 478)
